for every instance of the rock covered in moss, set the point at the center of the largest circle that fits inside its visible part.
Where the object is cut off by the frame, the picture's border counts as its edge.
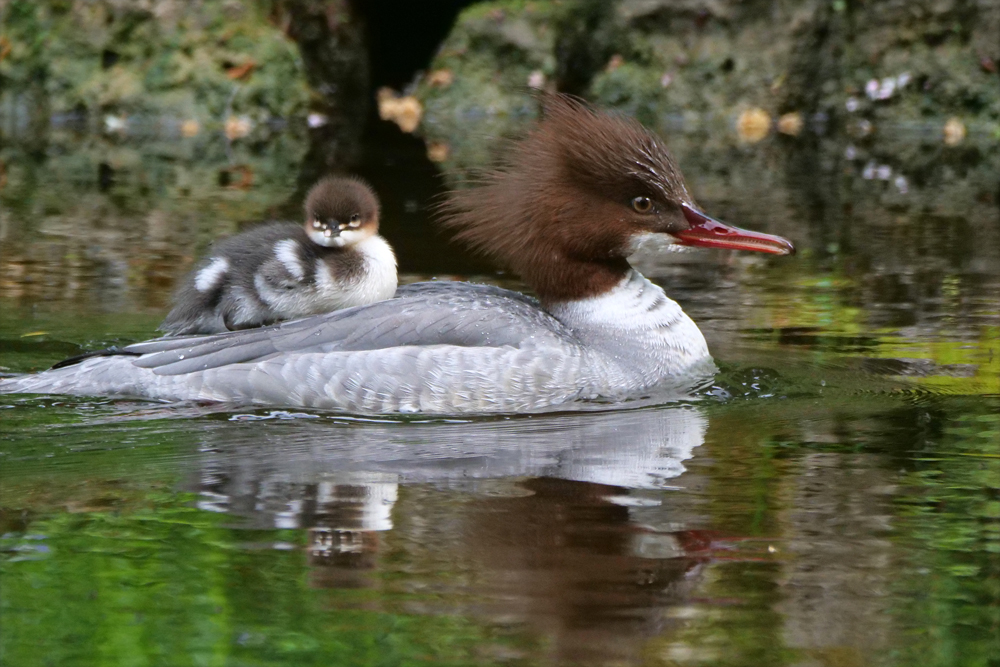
(480, 84)
(147, 66)
(892, 61)
(749, 92)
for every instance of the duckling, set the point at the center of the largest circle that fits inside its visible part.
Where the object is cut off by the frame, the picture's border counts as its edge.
(284, 271)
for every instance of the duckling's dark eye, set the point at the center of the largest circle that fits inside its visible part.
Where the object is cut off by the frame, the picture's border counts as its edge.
(356, 217)
(642, 204)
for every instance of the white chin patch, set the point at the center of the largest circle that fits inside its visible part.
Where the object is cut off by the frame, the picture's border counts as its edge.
(673, 244)
(319, 238)
(652, 243)
(352, 236)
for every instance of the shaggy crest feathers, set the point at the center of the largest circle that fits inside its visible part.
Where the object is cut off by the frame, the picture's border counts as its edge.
(558, 208)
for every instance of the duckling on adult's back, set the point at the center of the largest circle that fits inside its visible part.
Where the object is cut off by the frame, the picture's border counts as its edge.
(564, 212)
(284, 271)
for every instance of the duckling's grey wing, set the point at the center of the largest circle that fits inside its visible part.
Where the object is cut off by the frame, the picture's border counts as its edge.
(218, 295)
(259, 297)
(422, 314)
(195, 311)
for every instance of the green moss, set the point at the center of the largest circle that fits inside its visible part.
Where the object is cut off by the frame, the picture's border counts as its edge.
(690, 74)
(493, 51)
(180, 61)
(631, 88)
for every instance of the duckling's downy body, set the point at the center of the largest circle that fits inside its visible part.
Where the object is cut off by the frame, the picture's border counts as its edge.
(564, 212)
(285, 271)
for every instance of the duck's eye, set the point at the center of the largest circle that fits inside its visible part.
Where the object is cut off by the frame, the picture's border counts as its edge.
(355, 220)
(642, 204)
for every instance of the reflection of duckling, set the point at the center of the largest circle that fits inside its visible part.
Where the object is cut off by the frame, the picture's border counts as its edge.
(285, 271)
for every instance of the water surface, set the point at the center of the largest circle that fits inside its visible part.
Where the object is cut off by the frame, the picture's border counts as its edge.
(833, 499)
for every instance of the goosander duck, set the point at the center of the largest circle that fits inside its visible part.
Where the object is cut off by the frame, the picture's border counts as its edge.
(564, 211)
(284, 271)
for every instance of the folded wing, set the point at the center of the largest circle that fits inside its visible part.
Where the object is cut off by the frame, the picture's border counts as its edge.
(440, 313)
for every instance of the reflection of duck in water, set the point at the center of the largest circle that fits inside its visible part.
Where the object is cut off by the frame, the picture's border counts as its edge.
(344, 513)
(565, 212)
(556, 524)
(636, 449)
(285, 271)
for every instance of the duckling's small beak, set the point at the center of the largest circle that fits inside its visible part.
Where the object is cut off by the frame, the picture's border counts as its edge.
(330, 228)
(710, 233)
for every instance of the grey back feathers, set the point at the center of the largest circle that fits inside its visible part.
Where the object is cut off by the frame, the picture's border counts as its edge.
(421, 314)
(435, 348)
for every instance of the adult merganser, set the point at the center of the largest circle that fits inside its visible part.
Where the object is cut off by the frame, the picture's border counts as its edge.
(284, 271)
(564, 211)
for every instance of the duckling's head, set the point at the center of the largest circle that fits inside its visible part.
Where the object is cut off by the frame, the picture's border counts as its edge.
(341, 212)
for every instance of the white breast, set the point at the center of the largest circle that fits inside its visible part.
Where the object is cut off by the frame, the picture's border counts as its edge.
(377, 280)
(638, 329)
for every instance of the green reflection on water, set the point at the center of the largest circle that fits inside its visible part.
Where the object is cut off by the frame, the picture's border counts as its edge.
(948, 597)
(104, 562)
(920, 585)
(158, 582)
(864, 511)
(956, 351)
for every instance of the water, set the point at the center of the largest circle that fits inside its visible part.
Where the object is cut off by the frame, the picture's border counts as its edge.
(833, 499)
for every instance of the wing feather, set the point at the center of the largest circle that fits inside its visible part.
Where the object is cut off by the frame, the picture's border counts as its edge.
(441, 313)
